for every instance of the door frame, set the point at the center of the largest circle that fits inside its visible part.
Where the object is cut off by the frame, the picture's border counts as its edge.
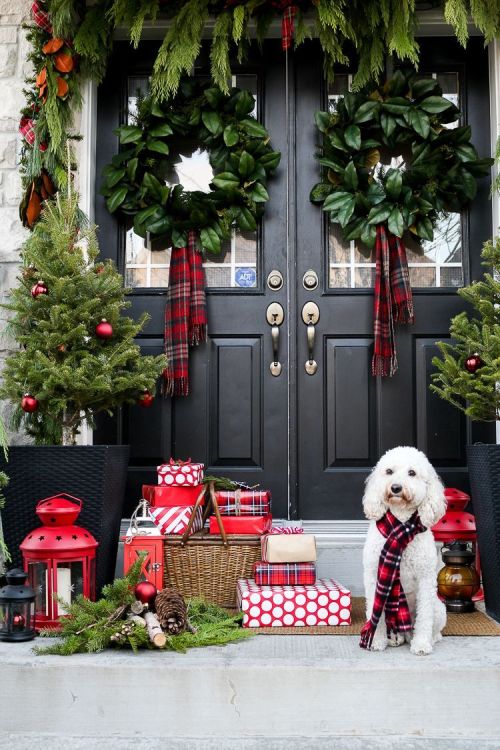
(431, 24)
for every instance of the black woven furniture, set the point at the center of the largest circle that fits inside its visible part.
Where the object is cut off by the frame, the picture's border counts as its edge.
(94, 473)
(484, 475)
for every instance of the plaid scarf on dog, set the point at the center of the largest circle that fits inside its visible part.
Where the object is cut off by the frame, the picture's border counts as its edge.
(393, 301)
(389, 594)
(185, 314)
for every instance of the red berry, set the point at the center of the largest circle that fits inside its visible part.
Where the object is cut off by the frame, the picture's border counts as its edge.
(104, 330)
(29, 403)
(146, 399)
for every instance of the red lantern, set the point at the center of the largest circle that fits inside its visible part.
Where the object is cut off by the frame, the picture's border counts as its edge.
(104, 330)
(143, 536)
(59, 558)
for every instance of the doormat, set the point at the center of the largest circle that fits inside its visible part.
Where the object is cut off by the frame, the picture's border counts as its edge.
(468, 624)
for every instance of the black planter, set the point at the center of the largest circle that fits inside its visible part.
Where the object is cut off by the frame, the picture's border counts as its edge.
(484, 475)
(94, 473)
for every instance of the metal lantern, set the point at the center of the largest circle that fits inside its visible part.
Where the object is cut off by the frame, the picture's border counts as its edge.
(458, 581)
(144, 538)
(17, 608)
(59, 558)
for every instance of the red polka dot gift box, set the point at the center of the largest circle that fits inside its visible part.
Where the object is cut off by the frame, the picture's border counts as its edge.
(180, 473)
(324, 603)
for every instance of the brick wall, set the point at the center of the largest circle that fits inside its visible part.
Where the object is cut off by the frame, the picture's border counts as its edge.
(13, 71)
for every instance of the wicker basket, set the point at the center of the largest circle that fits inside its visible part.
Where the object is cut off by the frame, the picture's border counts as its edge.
(205, 567)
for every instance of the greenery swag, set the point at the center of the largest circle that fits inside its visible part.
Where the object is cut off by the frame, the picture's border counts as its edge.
(407, 117)
(71, 40)
(240, 155)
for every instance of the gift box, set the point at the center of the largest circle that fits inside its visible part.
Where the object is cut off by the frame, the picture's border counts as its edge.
(244, 502)
(160, 496)
(174, 520)
(284, 574)
(288, 548)
(253, 525)
(180, 474)
(324, 603)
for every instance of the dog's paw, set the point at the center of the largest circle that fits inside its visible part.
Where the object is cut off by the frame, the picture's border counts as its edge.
(421, 647)
(437, 637)
(396, 639)
(379, 644)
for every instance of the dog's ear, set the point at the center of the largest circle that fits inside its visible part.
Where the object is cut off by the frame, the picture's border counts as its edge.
(373, 505)
(434, 506)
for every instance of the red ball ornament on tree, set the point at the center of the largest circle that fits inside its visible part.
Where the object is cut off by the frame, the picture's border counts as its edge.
(146, 592)
(39, 288)
(104, 330)
(29, 403)
(473, 363)
(146, 399)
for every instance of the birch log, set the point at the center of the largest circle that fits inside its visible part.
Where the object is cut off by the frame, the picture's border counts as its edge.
(156, 634)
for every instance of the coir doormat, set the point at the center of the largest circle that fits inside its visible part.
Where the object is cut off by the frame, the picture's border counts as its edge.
(474, 623)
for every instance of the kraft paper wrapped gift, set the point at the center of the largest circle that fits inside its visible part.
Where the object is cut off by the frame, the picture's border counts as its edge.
(288, 548)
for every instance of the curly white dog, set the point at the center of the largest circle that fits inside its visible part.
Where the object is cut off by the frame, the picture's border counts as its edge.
(403, 482)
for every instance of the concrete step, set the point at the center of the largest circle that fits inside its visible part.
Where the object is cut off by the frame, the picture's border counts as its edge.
(272, 692)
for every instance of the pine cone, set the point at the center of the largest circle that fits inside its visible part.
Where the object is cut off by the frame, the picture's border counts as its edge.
(171, 611)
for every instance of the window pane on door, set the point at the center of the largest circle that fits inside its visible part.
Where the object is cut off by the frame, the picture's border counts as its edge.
(235, 267)
(440, 264)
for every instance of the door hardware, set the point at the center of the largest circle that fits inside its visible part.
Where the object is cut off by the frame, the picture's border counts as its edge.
(310, 316)
(275, 316)
(310, 280)
(275, 280)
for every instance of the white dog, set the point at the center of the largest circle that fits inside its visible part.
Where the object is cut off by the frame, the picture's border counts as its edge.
(404, 481)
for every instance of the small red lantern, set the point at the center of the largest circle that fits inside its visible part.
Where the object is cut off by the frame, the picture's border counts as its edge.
(59, 558)
(143, 537)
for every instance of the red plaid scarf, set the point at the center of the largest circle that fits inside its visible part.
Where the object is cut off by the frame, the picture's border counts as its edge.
(393, 301)
(185, 314)
(389, 594)
(288, 26)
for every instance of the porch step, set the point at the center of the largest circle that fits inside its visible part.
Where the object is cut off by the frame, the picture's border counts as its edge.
(272, 692)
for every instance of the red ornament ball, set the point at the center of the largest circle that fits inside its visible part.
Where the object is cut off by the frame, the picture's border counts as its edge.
(146, 399)
(18, 621)
(29, 403)
(104, 330)
(473, 363)
(146, 592)
(39, 288)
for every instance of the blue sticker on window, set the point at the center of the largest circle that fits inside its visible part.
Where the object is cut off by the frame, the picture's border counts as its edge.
(245, 277)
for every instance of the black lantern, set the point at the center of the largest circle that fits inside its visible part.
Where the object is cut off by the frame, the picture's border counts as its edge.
(17, 608)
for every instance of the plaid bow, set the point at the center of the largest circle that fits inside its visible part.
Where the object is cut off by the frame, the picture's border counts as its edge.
(41, 18)
(389, 593)
(288, 26)
(185, 314)
(393, 301)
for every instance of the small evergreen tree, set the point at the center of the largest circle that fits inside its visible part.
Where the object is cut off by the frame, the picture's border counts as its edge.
(62, 362)
(468, 371)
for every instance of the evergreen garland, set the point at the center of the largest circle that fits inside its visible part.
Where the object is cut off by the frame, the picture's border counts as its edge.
(89, 626)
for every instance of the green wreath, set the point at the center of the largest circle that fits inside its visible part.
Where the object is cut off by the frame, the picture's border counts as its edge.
(406, 117)
(239, 152)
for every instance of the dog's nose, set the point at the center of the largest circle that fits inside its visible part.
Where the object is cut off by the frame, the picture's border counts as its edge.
(396, 488)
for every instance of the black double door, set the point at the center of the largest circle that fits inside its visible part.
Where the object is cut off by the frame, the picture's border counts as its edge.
(295, 294)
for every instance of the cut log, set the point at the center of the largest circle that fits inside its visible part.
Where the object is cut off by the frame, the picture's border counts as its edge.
(137, 607)
(140, 621)
(156, 634)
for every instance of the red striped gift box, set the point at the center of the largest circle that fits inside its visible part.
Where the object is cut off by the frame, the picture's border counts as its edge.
(284, 574)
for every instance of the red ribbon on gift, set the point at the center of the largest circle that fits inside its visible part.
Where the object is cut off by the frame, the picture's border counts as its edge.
(178, 462)
(286, 530)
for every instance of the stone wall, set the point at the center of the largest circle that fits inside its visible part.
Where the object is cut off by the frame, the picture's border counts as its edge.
(13, 70)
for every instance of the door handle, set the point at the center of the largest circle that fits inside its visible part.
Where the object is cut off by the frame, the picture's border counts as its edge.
(310, 316)
(275, 316)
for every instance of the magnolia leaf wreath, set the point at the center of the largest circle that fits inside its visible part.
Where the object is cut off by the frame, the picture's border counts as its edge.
(240, 155)
(393, 163)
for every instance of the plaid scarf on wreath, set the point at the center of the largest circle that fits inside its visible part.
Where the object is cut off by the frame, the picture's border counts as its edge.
(185, 314)
(393, 301)
(389, 594)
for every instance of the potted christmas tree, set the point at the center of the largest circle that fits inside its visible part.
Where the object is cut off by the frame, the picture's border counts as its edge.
(76, 358)
(468, 376)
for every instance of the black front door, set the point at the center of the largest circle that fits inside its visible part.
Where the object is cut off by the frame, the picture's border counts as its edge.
(310, 437)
